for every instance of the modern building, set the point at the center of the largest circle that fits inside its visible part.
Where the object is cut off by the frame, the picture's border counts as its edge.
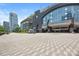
(32, 22)
(6, 26)
(58, 17)
(13, 21)
(63, 16)
(26, 24)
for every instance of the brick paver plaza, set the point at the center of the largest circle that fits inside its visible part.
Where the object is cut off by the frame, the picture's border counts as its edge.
(39, 44)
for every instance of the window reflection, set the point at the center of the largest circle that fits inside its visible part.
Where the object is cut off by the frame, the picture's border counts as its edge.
(61, 14)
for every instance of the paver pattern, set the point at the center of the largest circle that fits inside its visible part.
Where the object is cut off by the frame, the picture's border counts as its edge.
(39, 44)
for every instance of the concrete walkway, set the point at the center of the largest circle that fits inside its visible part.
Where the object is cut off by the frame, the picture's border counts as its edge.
(40, 44)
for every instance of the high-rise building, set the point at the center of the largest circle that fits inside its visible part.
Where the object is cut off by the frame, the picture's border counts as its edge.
(13, 21)
(58, 17)
(6, 26)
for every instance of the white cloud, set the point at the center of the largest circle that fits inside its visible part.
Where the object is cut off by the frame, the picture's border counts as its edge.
(22, 14)
(3, 16)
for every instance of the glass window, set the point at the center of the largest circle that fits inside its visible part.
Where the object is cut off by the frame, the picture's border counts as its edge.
(61, 14)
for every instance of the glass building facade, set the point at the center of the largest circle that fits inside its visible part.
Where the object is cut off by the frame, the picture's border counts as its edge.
(61, 14)
(24, 25)
(6, 26)
(13, 21)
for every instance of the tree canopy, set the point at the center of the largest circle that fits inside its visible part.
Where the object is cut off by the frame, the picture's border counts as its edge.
(1, 29)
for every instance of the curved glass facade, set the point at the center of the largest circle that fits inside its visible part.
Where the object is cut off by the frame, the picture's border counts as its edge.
(61, 14)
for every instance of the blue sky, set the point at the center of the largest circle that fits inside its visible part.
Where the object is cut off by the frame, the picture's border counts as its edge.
(23, 10)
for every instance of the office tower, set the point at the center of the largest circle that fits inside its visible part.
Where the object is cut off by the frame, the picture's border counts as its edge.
(6, 26)
(13, 21)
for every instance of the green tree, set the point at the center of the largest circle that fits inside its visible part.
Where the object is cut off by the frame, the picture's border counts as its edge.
(23, 30)
(17, 29)
(1, 29)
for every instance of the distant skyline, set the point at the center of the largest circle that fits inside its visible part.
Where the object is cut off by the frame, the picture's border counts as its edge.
(23, 10)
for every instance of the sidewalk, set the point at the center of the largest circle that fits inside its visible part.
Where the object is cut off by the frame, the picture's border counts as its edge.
(39, 44)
